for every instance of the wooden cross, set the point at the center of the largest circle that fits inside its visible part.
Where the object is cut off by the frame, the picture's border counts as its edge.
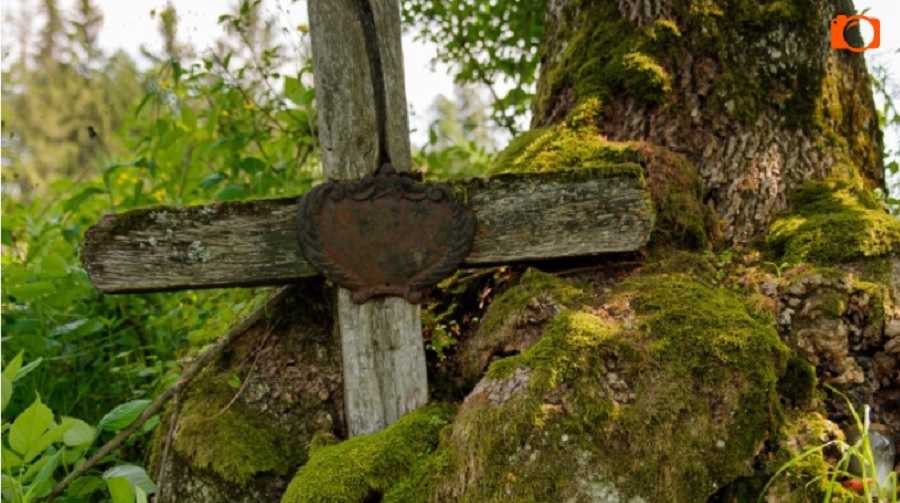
(362, 123)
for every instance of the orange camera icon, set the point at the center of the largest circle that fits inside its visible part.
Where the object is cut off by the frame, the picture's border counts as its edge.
(839, 26)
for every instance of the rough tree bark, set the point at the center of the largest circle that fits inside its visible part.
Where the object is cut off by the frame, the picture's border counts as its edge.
(751, 92)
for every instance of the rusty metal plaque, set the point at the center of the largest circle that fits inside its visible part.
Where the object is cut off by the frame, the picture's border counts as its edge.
(386, 234)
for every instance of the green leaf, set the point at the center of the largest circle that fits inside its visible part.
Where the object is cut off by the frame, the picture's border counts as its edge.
(53, 265)
(137, 111)
(30, 426)
(79, 434)
(32, 291)
(6, 237)
(252, 165)
(11, 459)
(9, 484)
(55, 434)
(123, 415)
(140, 495)
(26, 369)
(134, 474)
(84, 486)
(74, 203)
(43, 481)
(67, 328)
(212, 180)
(35, 468)
(234, 382)
(120, 490)
(7, 392)
(12, 368)
(189, 118)
(232, 191)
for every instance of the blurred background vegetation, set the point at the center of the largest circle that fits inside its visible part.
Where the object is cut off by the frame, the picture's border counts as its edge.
(86, 133)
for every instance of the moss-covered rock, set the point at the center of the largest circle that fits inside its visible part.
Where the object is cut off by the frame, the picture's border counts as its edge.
(235, 444)
(364, 467)
(515, 319)
(664, 394)
(831, 222)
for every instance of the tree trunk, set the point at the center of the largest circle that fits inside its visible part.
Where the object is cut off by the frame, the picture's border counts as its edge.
(750, 92)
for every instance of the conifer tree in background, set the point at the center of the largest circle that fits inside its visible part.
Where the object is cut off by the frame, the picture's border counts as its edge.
(53, 98)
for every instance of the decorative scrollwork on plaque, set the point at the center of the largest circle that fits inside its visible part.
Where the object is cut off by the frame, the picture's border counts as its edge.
(385, 234)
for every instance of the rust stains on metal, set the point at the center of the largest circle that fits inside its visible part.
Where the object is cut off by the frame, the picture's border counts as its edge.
(385, 234)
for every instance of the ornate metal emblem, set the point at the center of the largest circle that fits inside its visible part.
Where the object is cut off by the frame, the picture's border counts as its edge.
(386, 234)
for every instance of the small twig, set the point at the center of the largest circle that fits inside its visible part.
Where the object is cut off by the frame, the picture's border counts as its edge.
(595, 267)
(199, 364)
(163, 459)
(478, 274)
(239, 391)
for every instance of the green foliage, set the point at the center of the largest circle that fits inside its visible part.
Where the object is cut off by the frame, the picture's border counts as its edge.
(887, 95)
(440, 329)
(491, 43)
(838, 482)
(38, 450)
(220, 128)
(235, 124)
(458, 139)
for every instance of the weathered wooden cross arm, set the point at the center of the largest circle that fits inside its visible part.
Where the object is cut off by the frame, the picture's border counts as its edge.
(518, 218)
(361, 104)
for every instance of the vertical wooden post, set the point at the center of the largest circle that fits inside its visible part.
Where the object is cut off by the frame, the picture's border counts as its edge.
(361, 102)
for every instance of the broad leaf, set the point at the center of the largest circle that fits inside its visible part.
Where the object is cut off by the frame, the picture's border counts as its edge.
(55, 434)
(134, 474)
(12, 368)
(11, 459)
(30, 426)
(43, 481)
(123, 415)
(120, 490)
(79, 434)
(84, 486)
(7, 391)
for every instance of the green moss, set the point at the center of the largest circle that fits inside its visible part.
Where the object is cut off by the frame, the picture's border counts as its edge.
(365, 466)
(236, 444)
(831, 221)
(506, 313)
(575, 144)
(799, 383)
(674, 433)
(566, 343)
(532, 284)
(321, 440)
(609, 56)
(682, 219)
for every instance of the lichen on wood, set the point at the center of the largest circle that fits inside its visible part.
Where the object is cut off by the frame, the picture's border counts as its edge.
(529, 216)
